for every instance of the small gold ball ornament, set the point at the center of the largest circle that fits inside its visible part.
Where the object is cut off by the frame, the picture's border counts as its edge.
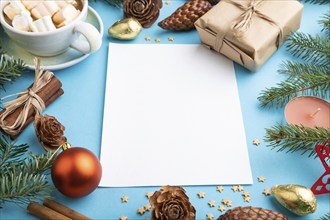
(125, 29)
(297, 199)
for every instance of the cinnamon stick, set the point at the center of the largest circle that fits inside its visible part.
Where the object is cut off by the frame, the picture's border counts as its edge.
(45, 213)
(64, 210)
(48, 94)
(30, 118)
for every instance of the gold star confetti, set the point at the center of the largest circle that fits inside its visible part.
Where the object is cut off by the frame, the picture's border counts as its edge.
(246, 194)
(148, 219)
(256, 142)
(140, 211)
(221, 208)
(171, 38)
(261, 179)
(157, 40)
(124, 199)
(149, 194)
(224, 201)
(234, 188)
(123, 217)
(247, 199)
(168, 2)
(240, 188)
(211, 203)
(209, 216)
(219, 188)
(228, 204)
(147, 208)
(148, 38)
(266, 192)
(201, 195)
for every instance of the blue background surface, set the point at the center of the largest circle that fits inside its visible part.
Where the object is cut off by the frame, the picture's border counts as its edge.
(80, 109)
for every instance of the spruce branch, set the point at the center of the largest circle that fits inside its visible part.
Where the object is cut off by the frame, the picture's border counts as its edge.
(293, 138)
(294, 69)
(310, 49)
(10, 153)
(10, 68)
(325, 217)
(320, 2)
(317, 84)
(325, 23)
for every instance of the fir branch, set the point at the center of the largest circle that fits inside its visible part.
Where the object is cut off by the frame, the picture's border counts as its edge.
(294, 69)
(294, 138)
(325, 217)
(325, 23)
(10, 68)
(310, 49)
(10, 153)
(317, 84)
(320, 2)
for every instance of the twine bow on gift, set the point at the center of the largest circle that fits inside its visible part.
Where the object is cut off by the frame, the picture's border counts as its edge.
(243, 22)
(25, 99)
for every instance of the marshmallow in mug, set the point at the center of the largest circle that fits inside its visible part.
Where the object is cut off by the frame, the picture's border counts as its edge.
(31, 15)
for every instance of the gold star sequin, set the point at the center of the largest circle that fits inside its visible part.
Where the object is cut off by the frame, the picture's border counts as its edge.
(171, 38)
(124, 199)
(228, 204)
(247, 199)
(147, 208)
(224, 201)
(140, 211)
(266, 192)
(234, 188)
(211, 203)
(261, 179)
(256, 142)
(246, 194)
(168, 2)
(149, 194)
(221, 208)
(209, 216)
(219, 188)
(123, 217)
(147, 38)
(201, 194)
(157, 40)
(240, 188)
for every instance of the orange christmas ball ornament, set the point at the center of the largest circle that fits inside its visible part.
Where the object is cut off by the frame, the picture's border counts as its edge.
(76, 172)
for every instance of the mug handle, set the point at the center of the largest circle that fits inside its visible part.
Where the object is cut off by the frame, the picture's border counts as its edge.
(92, 35)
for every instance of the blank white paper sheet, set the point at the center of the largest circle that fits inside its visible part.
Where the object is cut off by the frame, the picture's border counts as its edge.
(172, 116)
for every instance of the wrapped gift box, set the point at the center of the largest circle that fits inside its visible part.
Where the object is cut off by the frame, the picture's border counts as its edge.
(249, 31)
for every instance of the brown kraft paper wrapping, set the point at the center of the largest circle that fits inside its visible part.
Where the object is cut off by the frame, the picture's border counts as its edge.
(249, 31)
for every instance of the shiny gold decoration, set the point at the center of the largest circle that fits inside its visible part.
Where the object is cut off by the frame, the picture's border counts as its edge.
(256, 142)
(171, 202)
(140, 211)
(124, 199)
(125, 29)
(209, 216)
(219, 189)
(261, 179)
(211, 203)
(49, 131)
(157, 40)
(147, 38)
(266, 192)
(201, 195)
(221, 208)
(297, 199)
(251, 213)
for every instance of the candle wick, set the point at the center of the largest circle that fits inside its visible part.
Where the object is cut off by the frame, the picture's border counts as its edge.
(317, 111)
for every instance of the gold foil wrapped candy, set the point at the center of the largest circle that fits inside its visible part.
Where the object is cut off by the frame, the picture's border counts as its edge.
(297, 199)
(125, 29)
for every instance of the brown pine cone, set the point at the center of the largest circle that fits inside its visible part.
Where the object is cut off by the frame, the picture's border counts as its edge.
(214, 2)
(252, 213)
(183, 18)
(145, 11)
(171, 203)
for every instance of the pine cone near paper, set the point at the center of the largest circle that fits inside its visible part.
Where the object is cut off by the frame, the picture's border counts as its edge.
(171, 203)
(183, 18)
(252, 213)
(145, 11)
(214, 2)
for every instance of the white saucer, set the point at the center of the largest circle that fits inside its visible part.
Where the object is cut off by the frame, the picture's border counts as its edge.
(64, 60)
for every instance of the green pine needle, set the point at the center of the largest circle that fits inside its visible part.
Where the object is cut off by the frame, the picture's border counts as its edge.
(320, 2)
(310, 49)
(10, 153)
(293, 138)
(316, 84)
(325, 217)
(10, 68)
(325, 23)
(294, 69)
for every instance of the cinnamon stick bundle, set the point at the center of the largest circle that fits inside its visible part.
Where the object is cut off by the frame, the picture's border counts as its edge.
(48, 94)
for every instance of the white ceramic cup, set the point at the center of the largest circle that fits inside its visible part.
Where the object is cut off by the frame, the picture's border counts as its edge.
(57, 41)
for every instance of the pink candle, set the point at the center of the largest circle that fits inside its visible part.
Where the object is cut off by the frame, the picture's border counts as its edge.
(308, 111)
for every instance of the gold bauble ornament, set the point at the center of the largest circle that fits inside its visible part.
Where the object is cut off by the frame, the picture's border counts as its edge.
(297, 199)
(125, 29)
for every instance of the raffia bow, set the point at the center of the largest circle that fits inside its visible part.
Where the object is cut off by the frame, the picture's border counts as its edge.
(243, 22)
(27, 99)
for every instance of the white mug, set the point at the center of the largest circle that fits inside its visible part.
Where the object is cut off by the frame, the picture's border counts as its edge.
(55, 42)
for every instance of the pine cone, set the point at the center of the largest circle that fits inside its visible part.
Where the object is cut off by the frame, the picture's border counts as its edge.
(145, 11)
(214, 2)
(183, 18)
(251, 213)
